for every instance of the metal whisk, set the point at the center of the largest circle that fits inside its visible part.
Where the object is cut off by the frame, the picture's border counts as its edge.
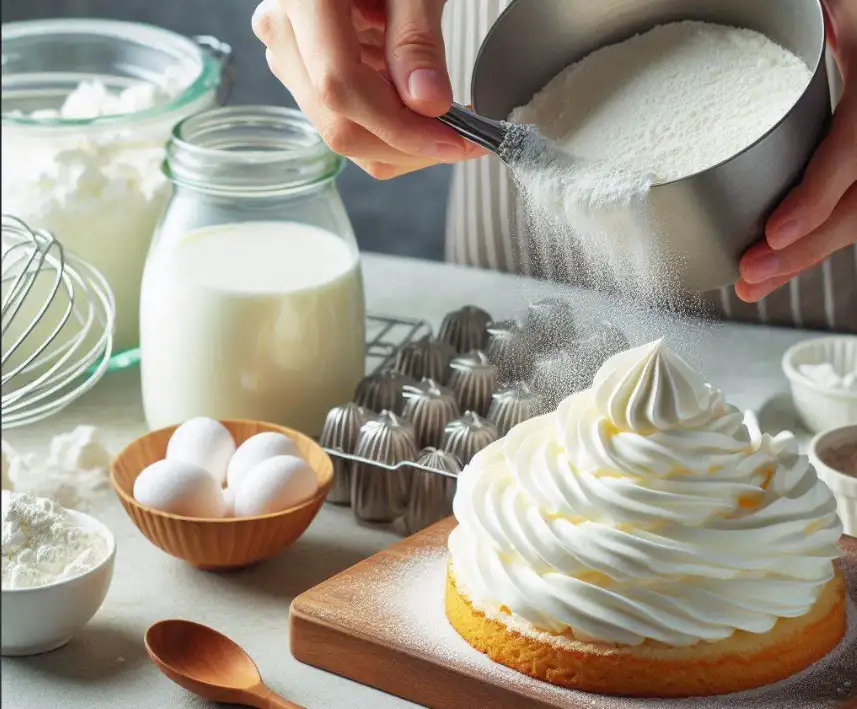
(58, 316)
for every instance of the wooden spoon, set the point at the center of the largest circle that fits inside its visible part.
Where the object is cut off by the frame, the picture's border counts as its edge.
(209, 664)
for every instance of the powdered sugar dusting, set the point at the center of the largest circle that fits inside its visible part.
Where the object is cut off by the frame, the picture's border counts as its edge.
(655, 108)
(411, 618)
(591, 215)
(592, 220)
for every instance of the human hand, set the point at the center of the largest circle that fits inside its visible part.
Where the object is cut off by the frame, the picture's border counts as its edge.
(370, 74)
(819, 216)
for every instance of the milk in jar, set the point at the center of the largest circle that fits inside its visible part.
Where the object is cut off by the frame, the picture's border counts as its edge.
(253, 320)
(252, 298)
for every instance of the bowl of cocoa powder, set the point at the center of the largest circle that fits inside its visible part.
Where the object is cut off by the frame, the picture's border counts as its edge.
(834, 455)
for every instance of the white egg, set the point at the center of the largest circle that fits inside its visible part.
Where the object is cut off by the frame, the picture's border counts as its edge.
(180, 488)
(228, 502)
(256, 449)
(275, 484)
(203, 442)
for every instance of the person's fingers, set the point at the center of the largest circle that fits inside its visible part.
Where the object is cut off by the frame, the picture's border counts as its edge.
(274, 26)
(416, 57)
(267, 21)
(331, 52)
(829, 175)
(761, 263)
(341, 135)
(370, 13)
(754, 292)
(841, 16)
(372, 51)
(381, 170)
(279, 75)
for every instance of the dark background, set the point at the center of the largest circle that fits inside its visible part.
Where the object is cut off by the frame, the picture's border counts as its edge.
(404, 216)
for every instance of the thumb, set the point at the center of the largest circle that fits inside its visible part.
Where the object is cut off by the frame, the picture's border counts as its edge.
(415, 55)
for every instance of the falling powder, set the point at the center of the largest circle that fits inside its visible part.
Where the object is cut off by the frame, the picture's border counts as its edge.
(588, 211)
(402, 602)
(587, 149)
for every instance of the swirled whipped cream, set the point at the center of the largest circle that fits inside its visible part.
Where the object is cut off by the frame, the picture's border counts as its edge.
(643, 509)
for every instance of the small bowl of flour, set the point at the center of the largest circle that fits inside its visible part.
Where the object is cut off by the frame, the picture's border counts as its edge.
(57, 568)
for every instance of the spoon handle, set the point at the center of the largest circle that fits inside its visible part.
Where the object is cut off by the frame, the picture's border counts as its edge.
(268, 699)
(483, 131)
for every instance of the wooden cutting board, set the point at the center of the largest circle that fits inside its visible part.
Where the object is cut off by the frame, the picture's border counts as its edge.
(381, 623)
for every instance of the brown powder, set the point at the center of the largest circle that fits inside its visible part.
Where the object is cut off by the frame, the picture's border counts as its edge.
(843, 458)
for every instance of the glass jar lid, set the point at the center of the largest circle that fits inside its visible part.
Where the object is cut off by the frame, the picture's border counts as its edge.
(44, 61)
(251, 151)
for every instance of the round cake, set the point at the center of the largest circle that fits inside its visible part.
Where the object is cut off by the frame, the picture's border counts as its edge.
(641, 541)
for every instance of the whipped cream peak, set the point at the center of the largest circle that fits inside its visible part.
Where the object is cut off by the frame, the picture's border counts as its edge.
(650, 388)
(643, 508)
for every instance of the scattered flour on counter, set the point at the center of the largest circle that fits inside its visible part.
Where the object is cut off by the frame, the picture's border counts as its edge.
(42, 544)
(403, 603)
(72, 474)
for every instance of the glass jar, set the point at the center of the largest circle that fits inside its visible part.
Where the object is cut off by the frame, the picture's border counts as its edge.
(87, 108)
(252, 303)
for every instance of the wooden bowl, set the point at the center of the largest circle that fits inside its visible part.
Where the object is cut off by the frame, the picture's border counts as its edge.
(218, 544)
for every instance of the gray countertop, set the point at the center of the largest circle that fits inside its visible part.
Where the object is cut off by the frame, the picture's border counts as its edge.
(106, 665)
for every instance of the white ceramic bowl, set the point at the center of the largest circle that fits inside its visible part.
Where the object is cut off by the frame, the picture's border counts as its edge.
(822, 408)
(844, 487)
(37, 620)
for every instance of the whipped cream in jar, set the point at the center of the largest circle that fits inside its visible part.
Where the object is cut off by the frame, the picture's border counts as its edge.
(252, 303)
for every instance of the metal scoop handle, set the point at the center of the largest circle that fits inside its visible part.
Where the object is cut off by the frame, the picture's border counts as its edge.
(483, 131)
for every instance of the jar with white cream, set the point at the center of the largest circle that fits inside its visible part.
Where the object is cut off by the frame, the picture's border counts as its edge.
(252, 303)
(87, 109)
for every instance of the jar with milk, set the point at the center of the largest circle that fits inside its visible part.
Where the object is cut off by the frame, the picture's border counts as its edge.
(252, 302)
